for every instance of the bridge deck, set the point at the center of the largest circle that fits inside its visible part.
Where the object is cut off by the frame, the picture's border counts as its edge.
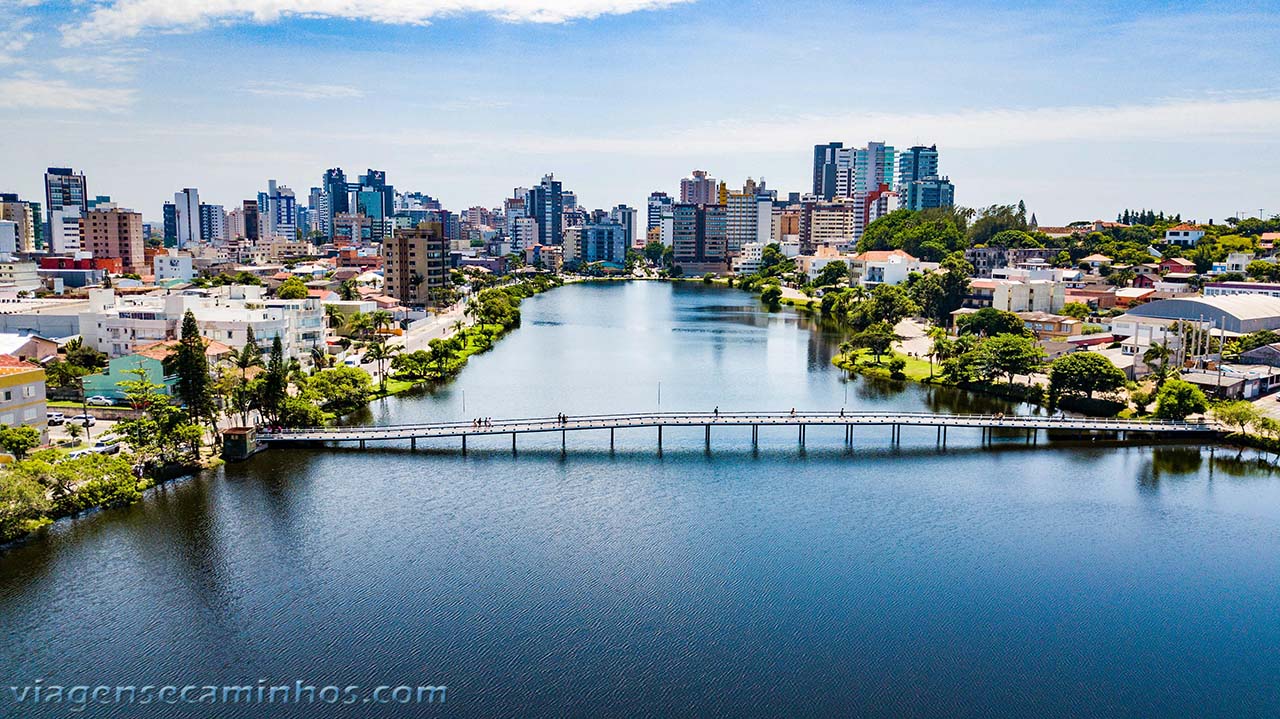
(730, 419)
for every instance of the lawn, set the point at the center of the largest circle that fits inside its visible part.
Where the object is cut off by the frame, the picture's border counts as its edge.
(916, 369)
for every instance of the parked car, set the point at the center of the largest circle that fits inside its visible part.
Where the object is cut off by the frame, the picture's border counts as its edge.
(99, 401)
(55, 419)
(108, 445)
(86, 420)
(351, 362)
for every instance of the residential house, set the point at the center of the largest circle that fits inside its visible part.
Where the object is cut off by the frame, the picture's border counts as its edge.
(1184, 235)
(151, 360)
(22, 399)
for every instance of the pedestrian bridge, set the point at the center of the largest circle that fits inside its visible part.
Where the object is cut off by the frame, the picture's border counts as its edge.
(1030, 425)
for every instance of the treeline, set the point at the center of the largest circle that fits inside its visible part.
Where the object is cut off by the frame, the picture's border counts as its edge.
(936, 234)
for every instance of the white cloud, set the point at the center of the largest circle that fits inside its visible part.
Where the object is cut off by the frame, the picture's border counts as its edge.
(30, 93)
(116, 19)
(303, 91)
(14, 38)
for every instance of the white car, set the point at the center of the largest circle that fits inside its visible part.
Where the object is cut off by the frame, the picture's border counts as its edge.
(107, 445)
(86, 420)
(99, 401)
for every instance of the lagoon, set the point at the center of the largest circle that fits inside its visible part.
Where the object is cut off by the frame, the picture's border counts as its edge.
(1081, 580)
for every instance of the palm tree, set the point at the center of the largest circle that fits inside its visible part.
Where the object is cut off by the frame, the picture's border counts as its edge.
(1160, 353)
(247, 358)
(381, 352)
(381, 319)
(334, 315)
(320, 358)
(941, 348)
(359, 324)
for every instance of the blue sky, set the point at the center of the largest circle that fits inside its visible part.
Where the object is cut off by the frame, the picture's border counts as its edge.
(1078, 108)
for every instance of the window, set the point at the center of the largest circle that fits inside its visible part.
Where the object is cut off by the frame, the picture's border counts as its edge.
(8, 395)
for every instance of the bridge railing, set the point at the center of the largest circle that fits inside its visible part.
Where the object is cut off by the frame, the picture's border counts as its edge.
(577, 421)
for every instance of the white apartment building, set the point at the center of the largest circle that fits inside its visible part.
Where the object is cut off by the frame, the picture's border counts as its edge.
(889, 267)
(749, 258)
(118, 326)
(18, 277)
(64, 231)
(1029, 296)
(173, 266)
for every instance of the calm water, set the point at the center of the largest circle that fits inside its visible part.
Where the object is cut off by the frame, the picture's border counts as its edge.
(1014, 581)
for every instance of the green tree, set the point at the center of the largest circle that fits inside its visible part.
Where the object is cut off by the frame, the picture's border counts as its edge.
(990, 322)
(877, 339)
(1078, 310)
(23, 503)
(275, 383)
(1006, 355)
(1178, 400)
(191, 365)
(832, 274)
(938, 294)
(1156, 357)
(1239, 414)
(292, 289)
(653, 252)
(381, 353)
(771, 295)
(941, 347)
(341, 389)
(19, 440)
(1084, 373)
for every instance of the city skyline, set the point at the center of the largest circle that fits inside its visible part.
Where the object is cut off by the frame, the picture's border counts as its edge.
(1079, 114)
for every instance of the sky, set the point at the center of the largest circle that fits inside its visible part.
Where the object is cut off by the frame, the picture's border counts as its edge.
(1080, 109)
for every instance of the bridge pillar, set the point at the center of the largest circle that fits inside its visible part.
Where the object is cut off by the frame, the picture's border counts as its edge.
(708, 428)
(513, 443)
(659, 439)
(611, 439)
(755, 435)
(802, 435)
(362, 444)
(413, 443)
(563, 434)
(464, 444)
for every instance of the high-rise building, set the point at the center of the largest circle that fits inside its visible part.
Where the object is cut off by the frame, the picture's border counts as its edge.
(416, 264)
(320, 219)
(66, 200)
(376, 181)
(213, 223)
(626, 216)
(658, 203)
(187, 217)
(108, 231)
(824, 169)
(827, 224)
(602, 242)
(545, 204)
(872, 185)
(65, 189)
(334, 185)
(250, 216)
(170, 233)
(699, 189)
(23, 218)
(698, 237)
(281, 215)
(920, 187)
